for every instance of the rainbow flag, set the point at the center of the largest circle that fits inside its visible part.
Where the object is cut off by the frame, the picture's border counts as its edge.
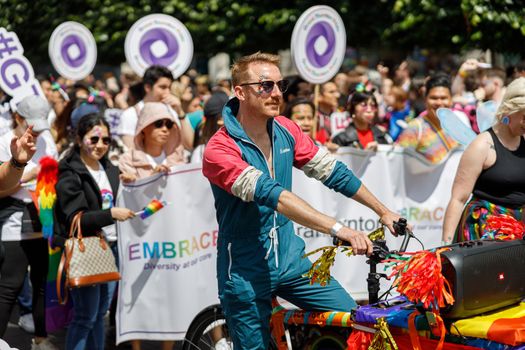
(505, 326)
(57, 316)
(46, 194)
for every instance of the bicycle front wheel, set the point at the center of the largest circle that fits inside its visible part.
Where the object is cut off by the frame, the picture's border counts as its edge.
(208, 329)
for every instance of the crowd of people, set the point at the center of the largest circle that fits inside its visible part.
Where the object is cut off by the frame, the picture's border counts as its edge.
(110, 131)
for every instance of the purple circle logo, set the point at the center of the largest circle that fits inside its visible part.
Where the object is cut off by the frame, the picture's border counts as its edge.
(321, 37)
(158, 46)
(73, 51)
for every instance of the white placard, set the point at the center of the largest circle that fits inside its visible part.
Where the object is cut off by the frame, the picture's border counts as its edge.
(159, 39)
(318, 44)
(73, 50)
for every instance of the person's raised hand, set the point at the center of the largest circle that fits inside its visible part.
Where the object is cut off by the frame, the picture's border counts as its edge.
(174, 102)
(121, 214)
(469, 65)
(23, 148)
(359, 241)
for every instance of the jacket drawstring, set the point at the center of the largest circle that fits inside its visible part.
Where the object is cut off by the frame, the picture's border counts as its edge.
(274, 241)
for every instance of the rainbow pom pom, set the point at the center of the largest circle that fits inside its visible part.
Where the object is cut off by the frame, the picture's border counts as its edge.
(153, 207)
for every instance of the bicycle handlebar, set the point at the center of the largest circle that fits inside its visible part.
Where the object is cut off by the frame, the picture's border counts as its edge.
(400, 228)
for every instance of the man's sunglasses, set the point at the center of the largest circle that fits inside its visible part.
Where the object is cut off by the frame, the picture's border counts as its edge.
(105, 140)
(163, 122)
(267, 85)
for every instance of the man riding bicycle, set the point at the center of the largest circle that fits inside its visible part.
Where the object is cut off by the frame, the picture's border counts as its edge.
(249, 165)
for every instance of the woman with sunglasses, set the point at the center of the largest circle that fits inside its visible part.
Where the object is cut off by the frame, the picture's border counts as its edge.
(88, 183)
(158, 144)
(363, 132)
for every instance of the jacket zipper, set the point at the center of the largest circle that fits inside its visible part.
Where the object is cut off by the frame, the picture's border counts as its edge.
(274, 239)
(230, 260)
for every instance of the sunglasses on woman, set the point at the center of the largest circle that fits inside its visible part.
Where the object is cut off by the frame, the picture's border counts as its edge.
(163, 122)
(371, 105)
(105, 140)
(267, 85)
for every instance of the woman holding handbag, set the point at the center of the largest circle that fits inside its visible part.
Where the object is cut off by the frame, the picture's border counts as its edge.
(87, 182)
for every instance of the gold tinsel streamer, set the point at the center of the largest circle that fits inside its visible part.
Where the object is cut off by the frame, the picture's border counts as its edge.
(383, 339)
(320, 270)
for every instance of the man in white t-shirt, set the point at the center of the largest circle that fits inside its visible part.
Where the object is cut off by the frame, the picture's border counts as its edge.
(157, 82)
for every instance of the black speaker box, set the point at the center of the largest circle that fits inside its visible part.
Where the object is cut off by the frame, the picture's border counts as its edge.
(485, 275)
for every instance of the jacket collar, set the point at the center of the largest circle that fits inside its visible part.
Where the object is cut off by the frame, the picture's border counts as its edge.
(231, 123)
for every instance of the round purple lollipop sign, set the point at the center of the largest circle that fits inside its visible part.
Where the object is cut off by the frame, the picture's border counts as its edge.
(318, 44)
(159, 39)
(73, 50)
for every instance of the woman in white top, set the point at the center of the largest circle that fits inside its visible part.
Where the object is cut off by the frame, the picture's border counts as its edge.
(20, 227)
(88, 183)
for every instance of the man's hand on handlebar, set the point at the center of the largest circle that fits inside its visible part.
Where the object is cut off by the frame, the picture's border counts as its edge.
(388, 220)
(359, 241)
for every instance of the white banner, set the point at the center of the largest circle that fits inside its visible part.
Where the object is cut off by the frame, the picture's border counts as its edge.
(168, 260)
(404, 181)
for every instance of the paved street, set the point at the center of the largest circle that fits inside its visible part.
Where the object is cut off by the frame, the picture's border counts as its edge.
(19, 339)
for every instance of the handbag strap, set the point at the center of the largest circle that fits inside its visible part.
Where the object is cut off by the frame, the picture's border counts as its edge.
(66, 257)
(75, 226)
(60, 272)
(62, 268)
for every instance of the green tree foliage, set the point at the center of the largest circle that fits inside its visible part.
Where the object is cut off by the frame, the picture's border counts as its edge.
(237, 26)
(456, 24)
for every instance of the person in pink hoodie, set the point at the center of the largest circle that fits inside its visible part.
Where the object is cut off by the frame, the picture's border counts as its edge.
(158, 144)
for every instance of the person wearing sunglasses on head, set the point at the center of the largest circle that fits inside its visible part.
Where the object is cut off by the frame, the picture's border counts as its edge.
(157, 144)
(249, 164)
(88, 183)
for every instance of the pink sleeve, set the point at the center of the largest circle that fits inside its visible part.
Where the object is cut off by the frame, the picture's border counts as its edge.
(222, 162)
(305, 148)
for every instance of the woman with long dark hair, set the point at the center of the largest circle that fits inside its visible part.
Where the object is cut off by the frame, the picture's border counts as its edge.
(88, 183)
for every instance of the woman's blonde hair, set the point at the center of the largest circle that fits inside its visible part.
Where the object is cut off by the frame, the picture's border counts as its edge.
(513, 99)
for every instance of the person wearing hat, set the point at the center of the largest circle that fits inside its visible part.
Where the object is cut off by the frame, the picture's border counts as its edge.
(209, 125)
(19, 222)
(157, 144)
(157, 147)
(157, 81)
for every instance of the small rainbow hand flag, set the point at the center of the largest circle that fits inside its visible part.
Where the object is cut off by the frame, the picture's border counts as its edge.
(150, 209)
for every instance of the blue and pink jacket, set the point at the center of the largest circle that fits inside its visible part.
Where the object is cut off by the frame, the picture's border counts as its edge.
(246, 195)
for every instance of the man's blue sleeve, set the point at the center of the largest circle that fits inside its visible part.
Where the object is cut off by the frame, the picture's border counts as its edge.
(343, 180)
(267, 191)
